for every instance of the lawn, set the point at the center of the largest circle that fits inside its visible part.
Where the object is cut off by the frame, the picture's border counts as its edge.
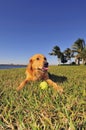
(35, 109)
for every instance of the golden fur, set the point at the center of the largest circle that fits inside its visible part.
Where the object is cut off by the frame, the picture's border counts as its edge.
(37, 70)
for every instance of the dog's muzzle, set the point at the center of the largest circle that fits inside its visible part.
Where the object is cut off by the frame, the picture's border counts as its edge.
(44, 68)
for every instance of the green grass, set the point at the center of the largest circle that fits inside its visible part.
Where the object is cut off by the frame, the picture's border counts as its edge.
(36, 109)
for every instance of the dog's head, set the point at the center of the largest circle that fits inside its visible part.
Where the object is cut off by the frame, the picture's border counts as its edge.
(38, 62)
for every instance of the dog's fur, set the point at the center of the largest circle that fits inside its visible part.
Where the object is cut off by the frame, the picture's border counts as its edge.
(37, 70)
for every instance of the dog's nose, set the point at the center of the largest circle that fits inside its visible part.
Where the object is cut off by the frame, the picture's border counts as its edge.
(46, 64)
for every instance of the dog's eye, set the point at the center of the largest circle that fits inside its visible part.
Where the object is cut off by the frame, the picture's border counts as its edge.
(37, 59)
(45, 58)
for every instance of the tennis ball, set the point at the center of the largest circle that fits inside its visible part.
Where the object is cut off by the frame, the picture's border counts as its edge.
(43, 85)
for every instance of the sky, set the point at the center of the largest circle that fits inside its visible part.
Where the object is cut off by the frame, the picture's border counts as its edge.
(28, 27)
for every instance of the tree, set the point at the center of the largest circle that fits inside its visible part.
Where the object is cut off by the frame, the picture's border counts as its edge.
(83, 55)
(63, 58)
(56, 52)
(68, 54)
(78, 47)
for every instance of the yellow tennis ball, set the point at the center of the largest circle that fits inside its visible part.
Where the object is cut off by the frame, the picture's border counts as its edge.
(43, 85)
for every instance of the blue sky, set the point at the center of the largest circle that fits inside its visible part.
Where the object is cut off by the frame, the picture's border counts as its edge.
(36, 26)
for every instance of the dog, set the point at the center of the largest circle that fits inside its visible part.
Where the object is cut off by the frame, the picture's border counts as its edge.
(36, 70)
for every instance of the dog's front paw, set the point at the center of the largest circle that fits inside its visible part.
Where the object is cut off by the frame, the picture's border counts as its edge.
(17, 89)
(59, 89)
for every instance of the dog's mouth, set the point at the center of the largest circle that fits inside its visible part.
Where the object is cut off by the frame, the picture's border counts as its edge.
(44, 68)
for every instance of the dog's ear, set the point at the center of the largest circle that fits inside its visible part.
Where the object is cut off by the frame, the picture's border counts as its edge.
(29, 67)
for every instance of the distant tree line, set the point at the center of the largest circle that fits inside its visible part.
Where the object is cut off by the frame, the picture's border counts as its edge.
(77, 51)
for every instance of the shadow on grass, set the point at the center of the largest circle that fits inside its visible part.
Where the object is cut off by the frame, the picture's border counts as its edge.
(59, 79)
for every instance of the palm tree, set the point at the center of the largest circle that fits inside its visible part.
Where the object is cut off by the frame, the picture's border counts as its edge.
(56, 52)
(78, 47)
(83, 55)
(68, 53)
(63, 58)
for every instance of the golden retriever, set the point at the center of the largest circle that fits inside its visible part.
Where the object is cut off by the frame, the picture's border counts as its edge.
(37, 70)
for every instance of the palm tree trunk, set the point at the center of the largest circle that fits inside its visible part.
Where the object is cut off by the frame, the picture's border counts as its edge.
(59, 61)
(78, 62)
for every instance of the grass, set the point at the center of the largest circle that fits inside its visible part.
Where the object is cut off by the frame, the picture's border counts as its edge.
(36, 109)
